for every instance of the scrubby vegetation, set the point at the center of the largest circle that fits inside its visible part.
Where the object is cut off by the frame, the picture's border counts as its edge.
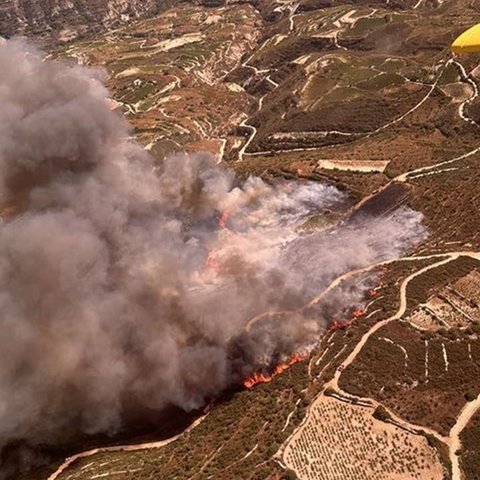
(242, 433)
(408, 373)
(423, 286)
(470, 453)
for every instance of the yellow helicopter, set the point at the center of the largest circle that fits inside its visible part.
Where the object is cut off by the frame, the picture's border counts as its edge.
(468, 42)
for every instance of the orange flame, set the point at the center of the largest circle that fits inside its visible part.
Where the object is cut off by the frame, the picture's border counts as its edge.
(335, 325)
(358, 313)
(222, 222)
(260, 377)
(212, 262)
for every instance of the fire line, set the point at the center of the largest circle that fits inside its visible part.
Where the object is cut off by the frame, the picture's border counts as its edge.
(260, 377)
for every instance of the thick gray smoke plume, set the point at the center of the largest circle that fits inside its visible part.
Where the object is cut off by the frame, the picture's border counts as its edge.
(126, 285)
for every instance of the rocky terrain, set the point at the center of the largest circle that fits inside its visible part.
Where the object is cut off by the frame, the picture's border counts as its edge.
(65, 20)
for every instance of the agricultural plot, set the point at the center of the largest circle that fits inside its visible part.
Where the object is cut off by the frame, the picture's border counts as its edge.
(166, 73)
(455, 306)
(340, 441)
(436, 314)
(423, 377)
(465, 294)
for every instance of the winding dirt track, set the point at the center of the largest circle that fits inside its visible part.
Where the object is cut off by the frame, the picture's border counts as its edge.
(120, 448)
(125, 448)
(400, 312)
(343, 278)
(468, 411)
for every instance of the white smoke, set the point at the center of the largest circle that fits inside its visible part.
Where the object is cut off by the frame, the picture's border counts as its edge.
(124, 285)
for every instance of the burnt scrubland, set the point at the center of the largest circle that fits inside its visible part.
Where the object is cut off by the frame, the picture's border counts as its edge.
(241, 433)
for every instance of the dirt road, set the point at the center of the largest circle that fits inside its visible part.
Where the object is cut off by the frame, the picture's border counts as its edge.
(121, 448)
(468, 411)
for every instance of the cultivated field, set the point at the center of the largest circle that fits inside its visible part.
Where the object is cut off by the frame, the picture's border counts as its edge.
(340, 441)
(424, 378)
(455, 306)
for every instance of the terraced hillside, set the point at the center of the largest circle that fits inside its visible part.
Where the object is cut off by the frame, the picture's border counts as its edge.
(65, 20)
(366, 95)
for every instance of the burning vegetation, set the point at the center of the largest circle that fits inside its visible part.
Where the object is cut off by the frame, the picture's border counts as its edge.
(129, 261)
(336, 325)
(268, 376)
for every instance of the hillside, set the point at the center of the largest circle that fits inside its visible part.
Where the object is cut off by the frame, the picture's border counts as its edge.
(366, 96)
(65, 20)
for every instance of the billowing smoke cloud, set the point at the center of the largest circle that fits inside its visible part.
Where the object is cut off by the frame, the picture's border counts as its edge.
(126, 285)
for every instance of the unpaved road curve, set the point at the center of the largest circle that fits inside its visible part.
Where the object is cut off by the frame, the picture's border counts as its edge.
(468, 411)
(431, 168)
(341, 279)
(396, 316)
(467, 79)
(125, 448)
(417, 172)
(121, 448)
(396, 420)
(470, 408)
